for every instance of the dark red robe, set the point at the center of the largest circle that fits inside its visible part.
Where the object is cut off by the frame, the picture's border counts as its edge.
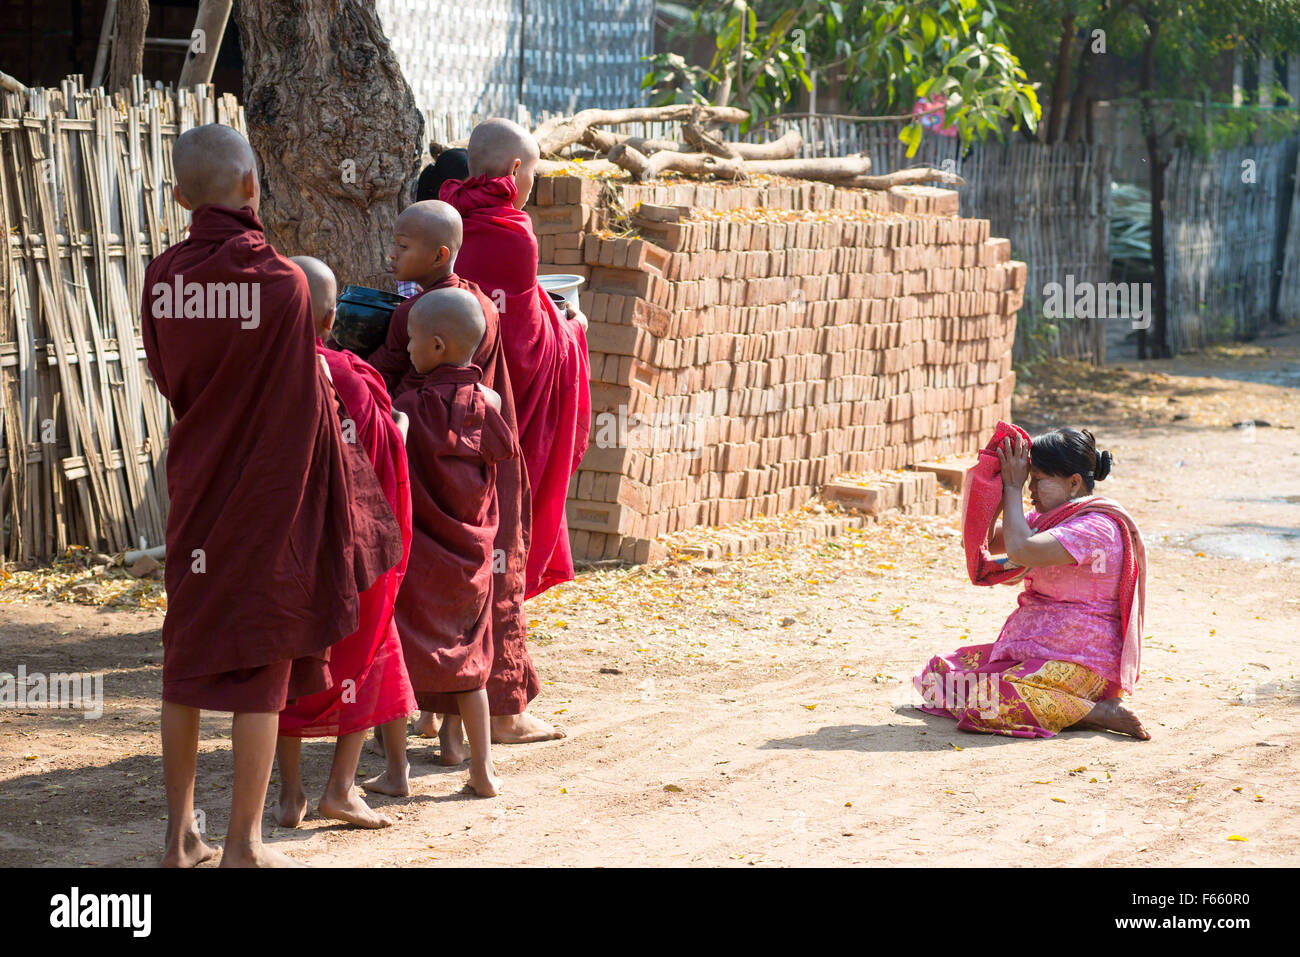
(370, 683)
(276, 525)
(513, 682)
(444, 608)
(547, 357)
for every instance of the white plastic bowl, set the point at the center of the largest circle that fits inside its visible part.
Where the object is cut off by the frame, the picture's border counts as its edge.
(563, 284)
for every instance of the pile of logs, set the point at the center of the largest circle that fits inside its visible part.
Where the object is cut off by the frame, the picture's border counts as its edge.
(703, 153)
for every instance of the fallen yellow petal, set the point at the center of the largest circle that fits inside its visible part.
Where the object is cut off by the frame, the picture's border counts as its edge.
(1237, 837)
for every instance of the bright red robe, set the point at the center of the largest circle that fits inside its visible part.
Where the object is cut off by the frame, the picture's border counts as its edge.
(547, 356)
(370, 684)
(275, 524)
(513, 682)
(444, 608)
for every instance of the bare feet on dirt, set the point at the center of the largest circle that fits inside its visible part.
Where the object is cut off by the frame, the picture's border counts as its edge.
(389, 784)
(188, 849)
(1114, 715)
(291, 809)
(523, 729)
(427, 724)
(484, 782)
(260, 856)
(352, 810)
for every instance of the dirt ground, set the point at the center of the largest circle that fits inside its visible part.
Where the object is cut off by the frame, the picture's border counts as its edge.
(756, 711)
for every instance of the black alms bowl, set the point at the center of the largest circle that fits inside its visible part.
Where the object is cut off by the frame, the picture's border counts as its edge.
(361, 319)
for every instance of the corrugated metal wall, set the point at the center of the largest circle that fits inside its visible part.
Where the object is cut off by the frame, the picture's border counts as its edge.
(465, 58)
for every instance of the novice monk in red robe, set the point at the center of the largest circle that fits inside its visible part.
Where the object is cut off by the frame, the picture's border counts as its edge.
(370, 684)
(426, 241)
(457, 437)
(546, 351)
(276, 525)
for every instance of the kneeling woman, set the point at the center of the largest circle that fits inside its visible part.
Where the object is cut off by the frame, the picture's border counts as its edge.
(1072, 647)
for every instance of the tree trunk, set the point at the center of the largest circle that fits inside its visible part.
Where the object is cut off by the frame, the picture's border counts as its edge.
(336, 130)
(1061, 86)
(1076, 122)
(128, 44)
(1156, 344)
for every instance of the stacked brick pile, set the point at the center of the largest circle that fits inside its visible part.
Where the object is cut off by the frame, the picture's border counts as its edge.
(750, 343)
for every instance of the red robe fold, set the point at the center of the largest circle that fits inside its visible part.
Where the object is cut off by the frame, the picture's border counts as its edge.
(444, 607)
(513, 682)
(547, 357)
(370, 685)
(275, 523)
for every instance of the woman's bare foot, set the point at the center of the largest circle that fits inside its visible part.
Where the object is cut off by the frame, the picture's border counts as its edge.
(1113, 714)
(484, 781)
(390, 784)
(291, 808)
(187, 849)
(352, 810)
(523, 729)
(427, 724)
(259, 856)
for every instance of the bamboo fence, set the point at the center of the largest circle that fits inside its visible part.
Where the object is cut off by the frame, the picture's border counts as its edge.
(1221, 232)
(1288, 291)
(85, 203)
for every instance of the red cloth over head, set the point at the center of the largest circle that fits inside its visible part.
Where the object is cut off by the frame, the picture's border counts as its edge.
(547, 356)
(513, 682)
(275, 523)
(370, 684)
(454, 443)
(980, 499)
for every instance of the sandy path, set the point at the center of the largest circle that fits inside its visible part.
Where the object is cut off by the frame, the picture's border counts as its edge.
(704, 730)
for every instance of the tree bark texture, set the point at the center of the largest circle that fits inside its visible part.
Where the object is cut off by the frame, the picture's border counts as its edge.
(128, 44)
(336, 131)
(1061, 86)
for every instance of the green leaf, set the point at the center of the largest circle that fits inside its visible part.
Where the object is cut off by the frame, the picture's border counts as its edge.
(911, 136)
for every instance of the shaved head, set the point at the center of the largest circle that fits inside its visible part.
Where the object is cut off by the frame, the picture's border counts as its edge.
(433, 221)
(323, 286)
(211, 164)
(495, 145)
(454, 314)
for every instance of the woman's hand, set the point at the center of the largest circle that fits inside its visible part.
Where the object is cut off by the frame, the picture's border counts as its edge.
(1013, 456)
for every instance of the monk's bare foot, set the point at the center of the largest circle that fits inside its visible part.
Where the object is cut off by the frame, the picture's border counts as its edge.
(428, 724)
(352, 810)
(261, 856)
(453, 751)
(376, 744)
(390, 784)
(523, 729)
(291, 809)
(1113, 714)
(484, 782)
(188, 849)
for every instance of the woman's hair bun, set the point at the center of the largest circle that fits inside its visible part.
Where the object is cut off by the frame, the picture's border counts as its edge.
(1103, 465)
